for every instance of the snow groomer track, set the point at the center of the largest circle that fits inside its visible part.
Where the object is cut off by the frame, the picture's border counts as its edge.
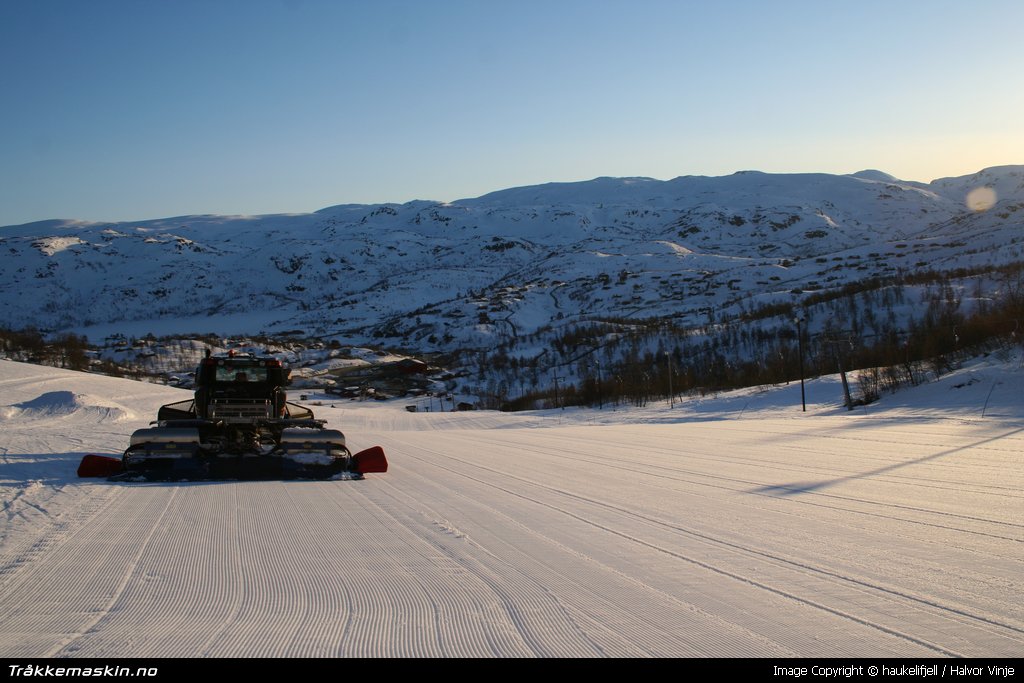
(596, 533)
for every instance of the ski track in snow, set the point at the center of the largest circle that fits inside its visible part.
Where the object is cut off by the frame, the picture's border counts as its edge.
(497, 535)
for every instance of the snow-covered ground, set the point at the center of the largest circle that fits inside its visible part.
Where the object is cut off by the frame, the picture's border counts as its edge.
(730, 526)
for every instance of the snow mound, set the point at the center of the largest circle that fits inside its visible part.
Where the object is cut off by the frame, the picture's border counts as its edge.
(52, 245)
(872, 174)
(675, 248)
(55, 404)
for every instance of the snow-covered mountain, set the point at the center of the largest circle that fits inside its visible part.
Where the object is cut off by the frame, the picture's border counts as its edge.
(470, 273)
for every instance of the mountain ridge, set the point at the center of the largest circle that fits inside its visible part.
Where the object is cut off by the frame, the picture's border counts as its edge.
(436, 276)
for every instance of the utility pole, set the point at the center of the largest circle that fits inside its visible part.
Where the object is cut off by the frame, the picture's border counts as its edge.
(846, 384)
(836, 344)
(671, 394)
(556, 378)
(800, 349)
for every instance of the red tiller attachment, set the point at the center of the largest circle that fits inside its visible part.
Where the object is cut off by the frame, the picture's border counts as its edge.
(371, 460)
(99, 466)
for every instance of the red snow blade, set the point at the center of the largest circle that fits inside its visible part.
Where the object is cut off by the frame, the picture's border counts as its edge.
(371, 460)
(99, 466)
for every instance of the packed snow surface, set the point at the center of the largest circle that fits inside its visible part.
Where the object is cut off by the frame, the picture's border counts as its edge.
(728, 526)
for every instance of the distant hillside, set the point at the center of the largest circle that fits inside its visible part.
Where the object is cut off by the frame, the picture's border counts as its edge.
(518, 268)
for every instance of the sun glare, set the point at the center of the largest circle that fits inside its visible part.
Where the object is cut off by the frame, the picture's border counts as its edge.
(981, 199)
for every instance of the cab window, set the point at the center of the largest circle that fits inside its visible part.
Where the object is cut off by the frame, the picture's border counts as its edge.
(227, 373)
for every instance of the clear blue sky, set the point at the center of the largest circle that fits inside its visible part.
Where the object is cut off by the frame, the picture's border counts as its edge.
(131, 109)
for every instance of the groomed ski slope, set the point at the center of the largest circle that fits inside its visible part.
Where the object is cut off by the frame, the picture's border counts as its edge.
(736, 526)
